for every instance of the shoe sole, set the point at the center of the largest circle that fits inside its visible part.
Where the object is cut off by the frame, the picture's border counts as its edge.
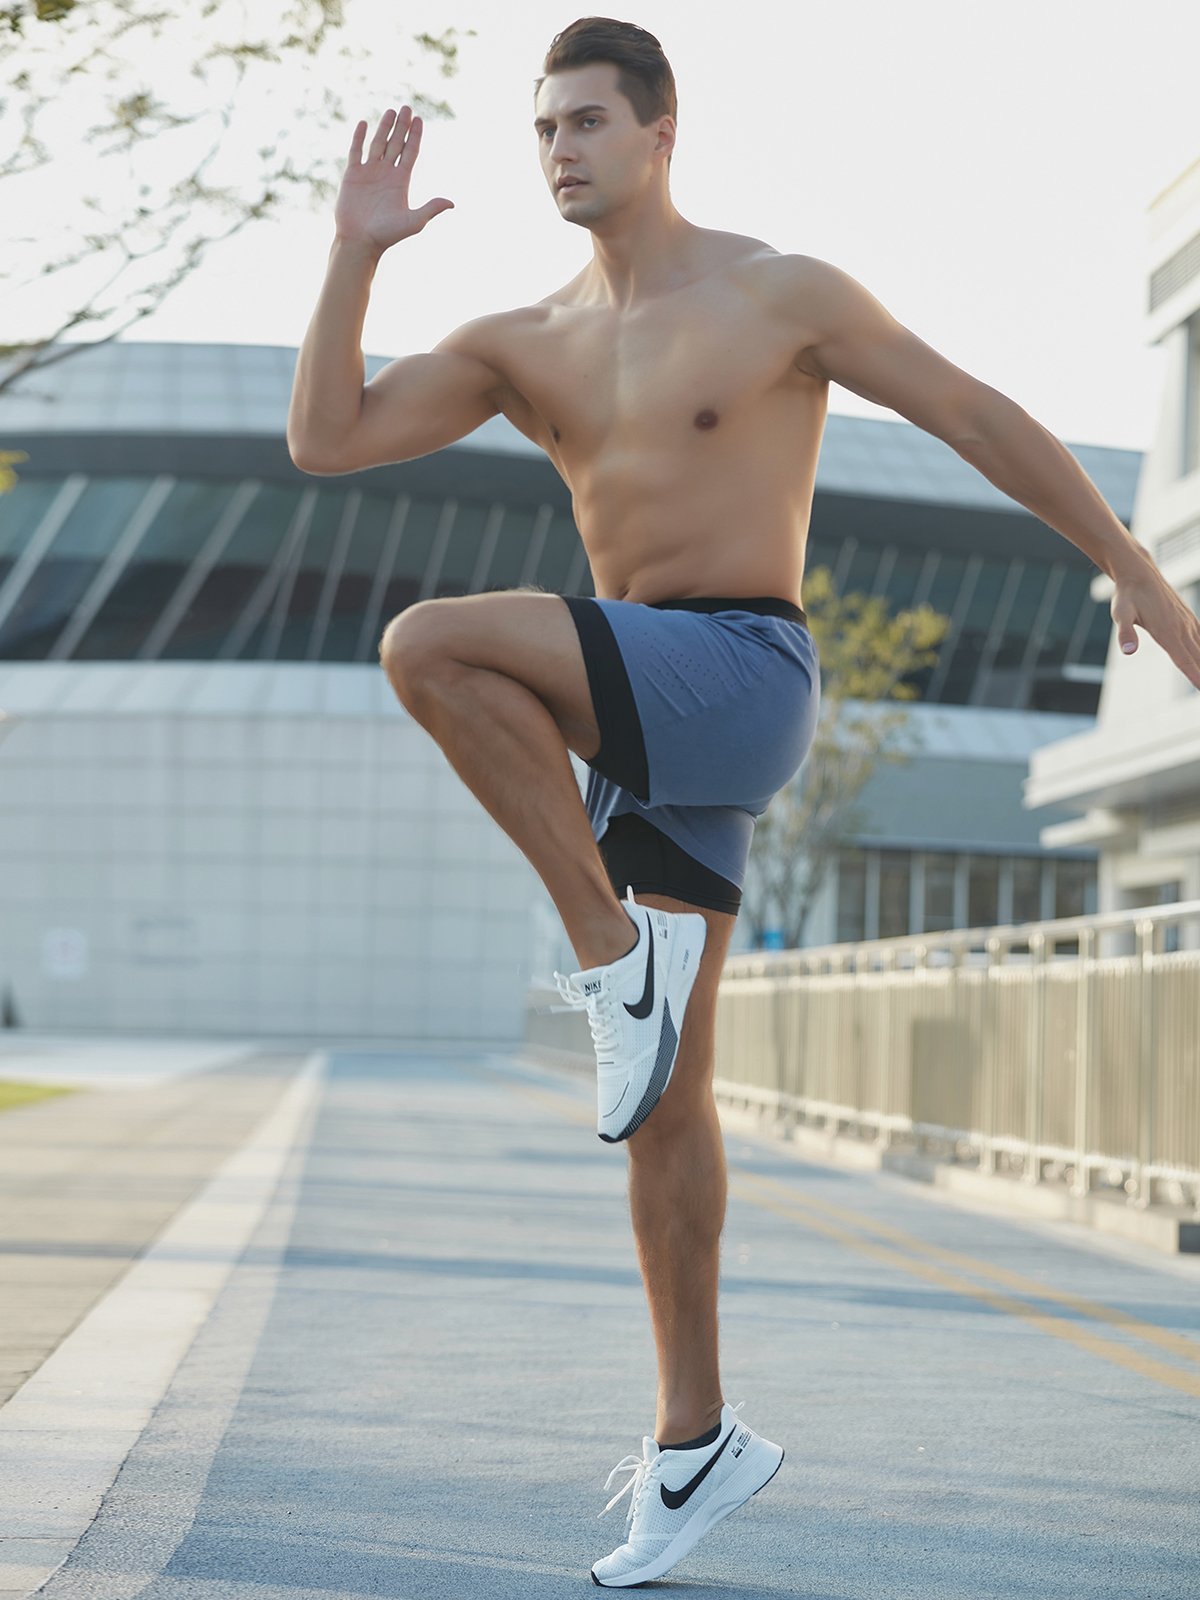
(674, 1005)
(713, 1511)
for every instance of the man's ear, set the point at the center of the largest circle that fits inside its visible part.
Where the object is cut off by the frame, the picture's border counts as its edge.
(666, 135)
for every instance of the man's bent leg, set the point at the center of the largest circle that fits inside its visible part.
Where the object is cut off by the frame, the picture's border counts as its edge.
(507, 746)
(677, 1189)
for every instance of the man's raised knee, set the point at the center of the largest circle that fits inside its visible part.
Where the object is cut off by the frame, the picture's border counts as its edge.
(409, 642)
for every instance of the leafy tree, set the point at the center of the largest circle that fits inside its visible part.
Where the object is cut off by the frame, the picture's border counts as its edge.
(866, 657)
(7, 476)
(143, 83)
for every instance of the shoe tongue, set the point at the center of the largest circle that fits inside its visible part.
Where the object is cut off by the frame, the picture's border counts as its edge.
(649, 1448)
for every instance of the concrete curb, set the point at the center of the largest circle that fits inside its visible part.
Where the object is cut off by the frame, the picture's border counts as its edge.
(66, 1432)
(1171, 1230)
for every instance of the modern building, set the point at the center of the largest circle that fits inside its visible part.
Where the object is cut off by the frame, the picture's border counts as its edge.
(214, 815)
(1133, 779)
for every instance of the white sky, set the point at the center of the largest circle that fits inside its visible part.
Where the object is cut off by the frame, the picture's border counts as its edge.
(985, 171)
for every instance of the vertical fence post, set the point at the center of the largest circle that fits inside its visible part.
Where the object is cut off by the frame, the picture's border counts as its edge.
(1147, 942)
(1036, 1063)
(1085, 1038)
(988, 1087)
(958, 952)
(887, 1077)
(920, 968)
(834, 1032)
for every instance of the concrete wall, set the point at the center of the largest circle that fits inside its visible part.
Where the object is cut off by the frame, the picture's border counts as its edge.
(255, 874)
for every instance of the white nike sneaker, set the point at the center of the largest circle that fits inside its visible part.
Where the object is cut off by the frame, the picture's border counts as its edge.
(635, 1009)
(678, 1495)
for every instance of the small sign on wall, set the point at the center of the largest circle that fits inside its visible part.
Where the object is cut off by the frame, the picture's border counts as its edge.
(64, 953)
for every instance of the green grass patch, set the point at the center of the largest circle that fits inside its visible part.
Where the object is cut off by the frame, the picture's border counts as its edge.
(13, 1094)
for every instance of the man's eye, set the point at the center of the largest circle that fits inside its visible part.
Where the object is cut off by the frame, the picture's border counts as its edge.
(591, 119)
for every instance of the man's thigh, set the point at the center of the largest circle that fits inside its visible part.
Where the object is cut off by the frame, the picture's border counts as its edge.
(525, 634)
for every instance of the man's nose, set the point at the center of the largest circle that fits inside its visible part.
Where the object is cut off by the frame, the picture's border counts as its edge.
(561, 147)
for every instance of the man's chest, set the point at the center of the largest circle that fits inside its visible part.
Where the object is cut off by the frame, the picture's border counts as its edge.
(595, 379)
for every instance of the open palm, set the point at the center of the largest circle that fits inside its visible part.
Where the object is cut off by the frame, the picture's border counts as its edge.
(372, 203)
(1142, 595)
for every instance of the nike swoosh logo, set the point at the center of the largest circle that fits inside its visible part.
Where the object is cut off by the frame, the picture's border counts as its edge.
(674, 1498)
(646, 1004)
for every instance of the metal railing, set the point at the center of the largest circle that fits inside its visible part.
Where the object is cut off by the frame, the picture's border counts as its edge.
(987, 1045)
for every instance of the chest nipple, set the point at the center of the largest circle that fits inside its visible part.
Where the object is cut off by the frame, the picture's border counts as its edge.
(705, 419)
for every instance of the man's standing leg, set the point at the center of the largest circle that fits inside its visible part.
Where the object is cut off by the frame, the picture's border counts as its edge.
(677, 1190)
(703, 1461)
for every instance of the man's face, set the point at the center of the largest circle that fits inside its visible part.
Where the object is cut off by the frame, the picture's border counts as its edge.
(595, 154)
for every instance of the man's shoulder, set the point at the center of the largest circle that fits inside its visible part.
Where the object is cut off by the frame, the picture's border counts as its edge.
(801, 290)
(785, 270)
(485, 336)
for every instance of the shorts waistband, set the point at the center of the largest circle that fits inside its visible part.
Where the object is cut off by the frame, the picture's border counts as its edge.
(767, 605)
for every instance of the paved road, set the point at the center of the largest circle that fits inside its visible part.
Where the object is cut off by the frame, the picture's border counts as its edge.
(435, 1348)
(88, 1181)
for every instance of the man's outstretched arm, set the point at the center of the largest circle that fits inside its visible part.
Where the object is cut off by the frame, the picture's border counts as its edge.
(416, 404)
(855, 341)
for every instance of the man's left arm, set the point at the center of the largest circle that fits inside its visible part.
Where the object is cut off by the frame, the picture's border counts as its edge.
(853, 340)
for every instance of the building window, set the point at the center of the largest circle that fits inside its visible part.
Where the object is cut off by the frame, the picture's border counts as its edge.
(852, 896)
(875, 891)
(983, 892)
(939, 893)
(895, 880)
(1167, 895)
(1074, 888)
(1026, 889)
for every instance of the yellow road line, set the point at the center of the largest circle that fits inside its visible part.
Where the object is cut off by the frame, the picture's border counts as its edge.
(773, 1195)
(1105, 1349)
(1175, 1344)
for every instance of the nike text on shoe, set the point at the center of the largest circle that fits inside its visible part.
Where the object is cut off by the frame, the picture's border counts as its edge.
(678, 1495)
(635, 1008)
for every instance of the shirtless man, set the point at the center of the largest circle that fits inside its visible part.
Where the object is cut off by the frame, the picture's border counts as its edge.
(679, 384)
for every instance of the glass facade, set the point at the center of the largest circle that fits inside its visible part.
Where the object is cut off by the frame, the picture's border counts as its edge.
(939, 892)
(852, 895)
(994, 888)
(983, 891)
(176, 570)
(895, 893)
(1015, 624)
(102, 568)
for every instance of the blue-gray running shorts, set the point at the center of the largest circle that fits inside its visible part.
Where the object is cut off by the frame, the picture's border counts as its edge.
(706, 708)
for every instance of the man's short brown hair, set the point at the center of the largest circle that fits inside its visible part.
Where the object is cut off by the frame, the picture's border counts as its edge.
(644, 74)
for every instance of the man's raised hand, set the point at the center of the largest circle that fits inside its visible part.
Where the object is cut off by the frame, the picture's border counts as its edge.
(1141, 594)
(372, 204)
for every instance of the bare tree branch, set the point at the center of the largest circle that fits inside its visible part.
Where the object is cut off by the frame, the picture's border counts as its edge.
(62, 47)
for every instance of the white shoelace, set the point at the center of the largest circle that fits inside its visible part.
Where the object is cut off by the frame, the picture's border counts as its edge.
(638, 1468)
(601, 1011)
